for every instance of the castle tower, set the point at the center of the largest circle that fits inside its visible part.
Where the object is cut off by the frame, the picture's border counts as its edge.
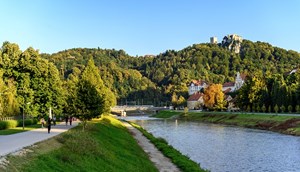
(213, 40)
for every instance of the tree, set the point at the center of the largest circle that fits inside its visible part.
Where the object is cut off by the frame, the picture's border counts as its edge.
(298, 108)
(290, 108)
(263, 108)
(89, 102)
(276, 108)
(92, 74)
(214, 97)
(282, 108)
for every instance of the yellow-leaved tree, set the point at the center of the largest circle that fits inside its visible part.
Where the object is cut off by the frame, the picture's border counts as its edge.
(214, 97)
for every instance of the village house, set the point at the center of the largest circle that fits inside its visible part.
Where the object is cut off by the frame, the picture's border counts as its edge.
(197, 85)
(195, 101)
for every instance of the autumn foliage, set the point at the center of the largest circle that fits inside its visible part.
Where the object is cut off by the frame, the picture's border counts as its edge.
(214, 97)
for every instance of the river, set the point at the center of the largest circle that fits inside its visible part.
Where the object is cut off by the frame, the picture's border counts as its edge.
(221, 148)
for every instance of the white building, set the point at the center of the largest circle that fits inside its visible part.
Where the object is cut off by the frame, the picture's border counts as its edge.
(234, 86)
(197, 85)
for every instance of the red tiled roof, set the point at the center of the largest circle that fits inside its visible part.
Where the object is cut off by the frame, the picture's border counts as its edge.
(243, 76)
(198, 82)
(195, 97)
(228, 84)
(227, 90)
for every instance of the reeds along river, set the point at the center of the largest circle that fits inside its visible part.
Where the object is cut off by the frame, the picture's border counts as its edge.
(221, 148)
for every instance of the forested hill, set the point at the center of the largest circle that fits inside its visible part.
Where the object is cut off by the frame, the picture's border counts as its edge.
(157, 78)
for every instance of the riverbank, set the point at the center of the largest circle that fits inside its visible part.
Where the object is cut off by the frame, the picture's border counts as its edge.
(106, 145)
(282, 124)
(181, 161)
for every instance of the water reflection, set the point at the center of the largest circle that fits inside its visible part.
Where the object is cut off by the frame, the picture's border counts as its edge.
(222, 148)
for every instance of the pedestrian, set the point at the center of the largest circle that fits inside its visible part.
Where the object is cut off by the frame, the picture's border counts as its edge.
(49, 124)
(66, 119)
(71, 119)
(54, 120)
(42, 122)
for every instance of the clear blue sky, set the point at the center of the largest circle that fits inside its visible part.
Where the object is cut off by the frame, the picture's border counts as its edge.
(146, 26)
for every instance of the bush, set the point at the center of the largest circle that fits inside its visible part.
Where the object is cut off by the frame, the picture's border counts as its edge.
(2, 125)
(8, 124)
(27, 122)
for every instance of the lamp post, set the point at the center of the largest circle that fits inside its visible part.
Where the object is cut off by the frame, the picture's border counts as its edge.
(24, 114)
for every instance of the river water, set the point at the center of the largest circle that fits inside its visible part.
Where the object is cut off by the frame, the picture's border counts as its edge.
(221, 148)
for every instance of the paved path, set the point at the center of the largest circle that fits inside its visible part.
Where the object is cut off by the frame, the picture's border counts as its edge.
(15, 142)
(162, 163)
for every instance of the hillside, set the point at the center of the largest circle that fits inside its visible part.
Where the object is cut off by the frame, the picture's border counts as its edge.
(157, 78)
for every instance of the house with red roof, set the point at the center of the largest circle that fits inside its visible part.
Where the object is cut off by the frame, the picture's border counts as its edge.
(195, 101)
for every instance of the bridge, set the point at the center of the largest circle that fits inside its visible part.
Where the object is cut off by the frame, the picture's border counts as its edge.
(123, 109)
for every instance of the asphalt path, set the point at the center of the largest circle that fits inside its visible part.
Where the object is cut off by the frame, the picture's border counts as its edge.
(15, 142)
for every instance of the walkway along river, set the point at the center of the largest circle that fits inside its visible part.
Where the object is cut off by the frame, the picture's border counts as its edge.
(221, 148)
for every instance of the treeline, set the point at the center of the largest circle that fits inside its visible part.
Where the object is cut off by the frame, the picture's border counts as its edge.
(267, 92)
(32, 85)
(155, 79)
(42, 79)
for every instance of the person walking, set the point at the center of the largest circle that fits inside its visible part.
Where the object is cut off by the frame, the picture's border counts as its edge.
(66, 119)
(71, 119)
(49, 124)
(42, 122)
(54, 120)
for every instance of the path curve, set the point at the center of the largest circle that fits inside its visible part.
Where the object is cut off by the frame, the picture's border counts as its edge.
(162, 163)
(15, 142)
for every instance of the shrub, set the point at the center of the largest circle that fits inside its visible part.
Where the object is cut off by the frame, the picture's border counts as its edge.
(290, 108)
(2, 125)
(276, 108)
(263, 108)
(8, 124)
(282, 108)
(27, 122)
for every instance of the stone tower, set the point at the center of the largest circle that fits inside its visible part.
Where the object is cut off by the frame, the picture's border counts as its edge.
(213, 40)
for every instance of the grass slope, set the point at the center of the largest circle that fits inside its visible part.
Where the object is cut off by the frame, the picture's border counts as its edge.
(106, 145)
(282, 124)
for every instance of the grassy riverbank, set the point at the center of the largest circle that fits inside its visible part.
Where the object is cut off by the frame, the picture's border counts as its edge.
(181, 161)
(283, 124)
(106, 145)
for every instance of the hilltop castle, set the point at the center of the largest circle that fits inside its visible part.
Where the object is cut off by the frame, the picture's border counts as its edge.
(232, 42)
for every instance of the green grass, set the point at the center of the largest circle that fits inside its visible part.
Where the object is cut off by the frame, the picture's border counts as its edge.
(19, 129)
(282, 124)
(166, 114)
(181, 161)
(105, 145)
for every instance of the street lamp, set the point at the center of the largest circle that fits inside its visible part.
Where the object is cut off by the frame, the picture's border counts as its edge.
(24, 115)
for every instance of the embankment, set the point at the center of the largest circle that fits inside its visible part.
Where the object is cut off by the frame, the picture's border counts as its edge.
(282, 124)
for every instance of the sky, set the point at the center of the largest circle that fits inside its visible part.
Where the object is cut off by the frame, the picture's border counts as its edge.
(146, 27)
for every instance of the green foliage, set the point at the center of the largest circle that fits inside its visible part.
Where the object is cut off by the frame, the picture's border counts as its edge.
(282, 108)
(290, 108)
(105, 146)
(263, 108)
(8, 124)
(276, 108)
(298, 108)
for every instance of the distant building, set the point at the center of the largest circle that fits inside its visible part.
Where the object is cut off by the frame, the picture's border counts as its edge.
(233, 42)
(234, 86)
(213, 40)
(197, 85)
(195, 101)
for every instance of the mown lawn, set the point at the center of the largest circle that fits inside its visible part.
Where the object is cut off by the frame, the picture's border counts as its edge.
(106, 145)
(19, 129)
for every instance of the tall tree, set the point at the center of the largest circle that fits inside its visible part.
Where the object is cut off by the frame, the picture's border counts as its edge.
(214, 97)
